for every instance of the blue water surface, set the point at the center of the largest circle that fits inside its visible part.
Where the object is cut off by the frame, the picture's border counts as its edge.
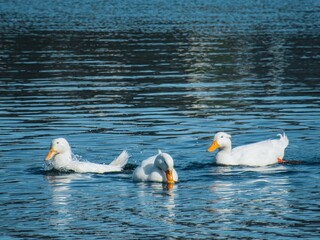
(149, 75)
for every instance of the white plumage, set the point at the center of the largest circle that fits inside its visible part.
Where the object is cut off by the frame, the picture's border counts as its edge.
(158, 168)
(60, 158)
(256, 154)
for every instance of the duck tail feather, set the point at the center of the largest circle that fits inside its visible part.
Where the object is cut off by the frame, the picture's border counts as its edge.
(284, 139)
(121, 160)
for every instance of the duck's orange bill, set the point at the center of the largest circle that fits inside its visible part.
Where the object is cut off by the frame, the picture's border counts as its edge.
(51, 154)
(169, 176)
(170, 186)
(213, 146)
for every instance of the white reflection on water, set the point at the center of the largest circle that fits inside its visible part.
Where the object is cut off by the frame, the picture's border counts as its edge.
(169, 204)
(240, 170)
(166, 195)
(61, 198)
(251, 197)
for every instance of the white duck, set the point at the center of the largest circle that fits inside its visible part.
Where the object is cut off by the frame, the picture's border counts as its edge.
(60, 157)
(158, 168)
(256, 154)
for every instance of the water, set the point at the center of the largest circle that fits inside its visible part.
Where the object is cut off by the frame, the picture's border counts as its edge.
(149, 75)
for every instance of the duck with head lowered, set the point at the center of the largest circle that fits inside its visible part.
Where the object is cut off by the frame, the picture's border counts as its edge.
(60, 158)
(158, 168)
(255, 154)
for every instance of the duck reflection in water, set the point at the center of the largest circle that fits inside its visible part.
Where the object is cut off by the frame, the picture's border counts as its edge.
(159, 196)
(61, 198)
(241, 191)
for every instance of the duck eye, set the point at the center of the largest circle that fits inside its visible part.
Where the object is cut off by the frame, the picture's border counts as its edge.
(221, 136)
(57, 142)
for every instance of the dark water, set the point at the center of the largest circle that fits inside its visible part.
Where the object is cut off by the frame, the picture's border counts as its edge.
(148, 75)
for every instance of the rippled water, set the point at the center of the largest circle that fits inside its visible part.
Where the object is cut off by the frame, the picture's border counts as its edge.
(149, 75)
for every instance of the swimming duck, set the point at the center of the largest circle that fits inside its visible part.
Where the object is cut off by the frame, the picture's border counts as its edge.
(60, 157)
(256, 154)
(158, 168)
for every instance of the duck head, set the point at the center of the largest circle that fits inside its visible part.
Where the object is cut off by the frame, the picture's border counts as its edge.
(221, 140)
(165, 162)
(58, 146)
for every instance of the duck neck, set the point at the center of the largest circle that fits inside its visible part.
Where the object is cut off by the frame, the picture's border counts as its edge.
(226, 149)
(158, 163)
(64, 156)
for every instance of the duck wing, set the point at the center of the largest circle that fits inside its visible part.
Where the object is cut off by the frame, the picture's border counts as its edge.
(259, 154)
